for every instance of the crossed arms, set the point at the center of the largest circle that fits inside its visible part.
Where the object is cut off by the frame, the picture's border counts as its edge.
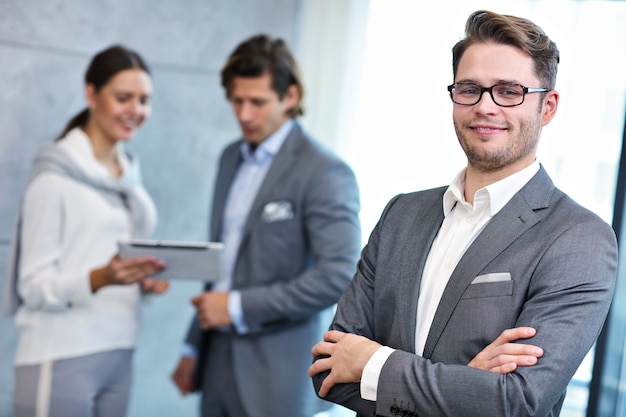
(344, 356)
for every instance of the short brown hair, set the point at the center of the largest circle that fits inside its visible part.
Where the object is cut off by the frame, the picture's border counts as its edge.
(484, 26)
(260, 54)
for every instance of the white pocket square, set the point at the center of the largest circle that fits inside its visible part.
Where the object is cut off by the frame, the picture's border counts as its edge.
(278, 210)
(495, 277)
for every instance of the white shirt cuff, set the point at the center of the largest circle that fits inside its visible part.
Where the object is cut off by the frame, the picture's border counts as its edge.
(371, 373)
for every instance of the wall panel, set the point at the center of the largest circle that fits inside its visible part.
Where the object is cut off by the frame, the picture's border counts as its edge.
(45, 46)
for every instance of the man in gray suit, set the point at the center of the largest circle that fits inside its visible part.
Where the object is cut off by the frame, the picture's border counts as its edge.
(454, 278)
(287, 210)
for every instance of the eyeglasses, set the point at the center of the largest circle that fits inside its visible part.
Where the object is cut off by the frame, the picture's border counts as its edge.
(504, 95)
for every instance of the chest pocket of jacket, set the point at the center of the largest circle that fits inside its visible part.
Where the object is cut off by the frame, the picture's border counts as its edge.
(489, 289)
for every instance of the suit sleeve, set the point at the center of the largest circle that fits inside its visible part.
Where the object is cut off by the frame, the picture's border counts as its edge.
(331, 232)
(355, 314)
(567, 301)
(41, 284)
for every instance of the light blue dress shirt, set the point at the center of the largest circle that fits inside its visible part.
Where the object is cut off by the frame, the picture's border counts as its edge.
(243, 191)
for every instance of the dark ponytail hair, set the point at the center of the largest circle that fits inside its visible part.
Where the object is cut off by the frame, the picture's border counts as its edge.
(102, 68)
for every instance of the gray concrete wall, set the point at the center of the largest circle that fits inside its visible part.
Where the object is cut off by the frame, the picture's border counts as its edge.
(45, 46)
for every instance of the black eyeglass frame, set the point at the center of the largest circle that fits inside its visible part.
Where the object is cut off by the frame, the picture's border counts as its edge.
(525, 90)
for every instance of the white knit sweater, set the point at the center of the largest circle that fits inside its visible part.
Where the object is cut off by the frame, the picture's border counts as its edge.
(69, 229)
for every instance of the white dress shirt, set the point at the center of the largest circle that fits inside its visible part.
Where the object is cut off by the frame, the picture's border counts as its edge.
(463, 222)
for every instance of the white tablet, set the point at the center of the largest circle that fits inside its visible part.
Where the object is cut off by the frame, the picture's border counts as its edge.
(202, 261)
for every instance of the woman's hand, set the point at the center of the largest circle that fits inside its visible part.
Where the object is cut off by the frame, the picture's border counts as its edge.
(154, 286)
(126, 271)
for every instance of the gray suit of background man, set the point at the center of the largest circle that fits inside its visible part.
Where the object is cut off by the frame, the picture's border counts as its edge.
(287, 210)
(453, 278)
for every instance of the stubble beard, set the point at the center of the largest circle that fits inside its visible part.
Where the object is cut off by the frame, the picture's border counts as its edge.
(488, 160)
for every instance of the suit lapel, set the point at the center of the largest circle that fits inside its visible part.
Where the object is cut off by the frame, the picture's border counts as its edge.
(226, 176)
(277, 174)
(515, 218)
(420, 237)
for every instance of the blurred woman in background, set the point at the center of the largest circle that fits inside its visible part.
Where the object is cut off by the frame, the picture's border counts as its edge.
(77, 303)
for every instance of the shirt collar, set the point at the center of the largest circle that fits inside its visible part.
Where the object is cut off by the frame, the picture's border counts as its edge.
(497, 194)
(268, 147)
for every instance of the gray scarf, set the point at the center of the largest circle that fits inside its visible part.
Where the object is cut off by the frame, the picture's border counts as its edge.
(50, 158)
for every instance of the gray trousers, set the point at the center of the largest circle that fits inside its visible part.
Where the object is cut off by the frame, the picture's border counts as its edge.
(220, 396)
(96, 385)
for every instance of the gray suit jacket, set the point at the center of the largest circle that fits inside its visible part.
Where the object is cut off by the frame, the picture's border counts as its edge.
(561, 260)
(290, 269)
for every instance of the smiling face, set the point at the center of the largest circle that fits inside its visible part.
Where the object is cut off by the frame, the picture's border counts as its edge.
(494, 138)
(120, 107)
